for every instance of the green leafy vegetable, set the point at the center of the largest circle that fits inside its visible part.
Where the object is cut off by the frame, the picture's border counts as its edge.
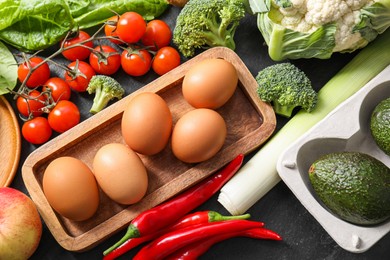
(8, 70)
(78, 7)
(31, 25)
(97, 11)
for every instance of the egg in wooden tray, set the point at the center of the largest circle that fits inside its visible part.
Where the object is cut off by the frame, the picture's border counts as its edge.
(247, 120)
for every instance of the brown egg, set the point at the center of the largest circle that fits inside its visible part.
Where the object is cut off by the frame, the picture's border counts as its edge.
(198, 135)
(120, 173)
(147, 123)
(70, 188)
(210, 83)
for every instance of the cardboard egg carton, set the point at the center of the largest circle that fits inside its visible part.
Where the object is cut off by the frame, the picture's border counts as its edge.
(346, 128)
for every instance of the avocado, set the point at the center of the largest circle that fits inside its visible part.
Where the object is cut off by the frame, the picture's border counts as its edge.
(353, 185)
(380, 125)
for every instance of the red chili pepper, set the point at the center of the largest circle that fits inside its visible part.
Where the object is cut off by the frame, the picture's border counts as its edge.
(189, 220)
(195, 250)
(202, 217)
(170, 211)
(172, 241)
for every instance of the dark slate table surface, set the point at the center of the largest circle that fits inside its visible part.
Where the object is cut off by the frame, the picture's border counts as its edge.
(303, 237)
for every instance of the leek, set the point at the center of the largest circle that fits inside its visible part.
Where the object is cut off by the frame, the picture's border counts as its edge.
(259, 174)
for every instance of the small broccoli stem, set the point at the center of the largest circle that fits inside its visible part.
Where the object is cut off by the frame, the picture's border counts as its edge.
(283, 110)
(230, 32)
(211, 39)
(216, 35)
(99, 102)
(226, 31)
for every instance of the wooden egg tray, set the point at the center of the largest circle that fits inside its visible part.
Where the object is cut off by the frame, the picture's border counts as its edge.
(250, 122)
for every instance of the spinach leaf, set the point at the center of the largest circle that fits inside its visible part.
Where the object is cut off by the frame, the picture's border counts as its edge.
(78, 7)
(8, 70)
(31, 25)
(99, 11)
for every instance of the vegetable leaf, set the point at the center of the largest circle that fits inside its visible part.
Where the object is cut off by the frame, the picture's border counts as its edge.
(8, 70)
(98, 11)
(284, 42)
(31, 25)
(374, 20)
(78, 7)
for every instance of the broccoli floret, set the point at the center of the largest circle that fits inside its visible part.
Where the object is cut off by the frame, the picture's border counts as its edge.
(286, 87)
(207, 23)
(105, 89)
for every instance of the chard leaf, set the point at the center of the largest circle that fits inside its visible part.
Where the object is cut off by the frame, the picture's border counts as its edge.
(78, 7)
(31, 25)
(98, 11)
(8, 70)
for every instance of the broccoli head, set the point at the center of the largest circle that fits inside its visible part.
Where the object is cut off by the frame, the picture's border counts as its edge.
(207, 23)
(105, 89)
(286, 87)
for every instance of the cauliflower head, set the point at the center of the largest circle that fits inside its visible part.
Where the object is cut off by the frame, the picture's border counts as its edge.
(296, 29)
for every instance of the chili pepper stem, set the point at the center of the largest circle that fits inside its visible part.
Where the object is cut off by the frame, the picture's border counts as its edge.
(131, 232)
(215, 216)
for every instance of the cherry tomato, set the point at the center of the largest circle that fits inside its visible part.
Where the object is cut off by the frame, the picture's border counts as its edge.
(130, 27)
(157, 35)
(59, 89)
(38, 77)
(77, 53)
(110, 29)
(64, 116)
(26, 106)
(107, 62)
(80, 75)
(166, 59)
(136, 63)
(37, 130)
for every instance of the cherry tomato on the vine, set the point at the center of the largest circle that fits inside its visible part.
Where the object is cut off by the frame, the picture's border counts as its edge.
(136, 62)
(166, 59)
(37, 130)
(64, 116)
(31, 105)
(79, 52)
(110, 29)
(79, 76)
(59, 89)
(131, 27)
(38, 76)
(106, 60)
(157, 35)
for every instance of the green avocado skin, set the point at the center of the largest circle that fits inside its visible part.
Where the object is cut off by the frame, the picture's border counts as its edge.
(353, 185)
(380, 125)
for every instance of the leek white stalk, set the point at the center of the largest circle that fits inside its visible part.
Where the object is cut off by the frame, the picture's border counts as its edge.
(259, 174)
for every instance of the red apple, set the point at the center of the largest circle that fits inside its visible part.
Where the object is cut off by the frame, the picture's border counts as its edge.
(20, 225)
